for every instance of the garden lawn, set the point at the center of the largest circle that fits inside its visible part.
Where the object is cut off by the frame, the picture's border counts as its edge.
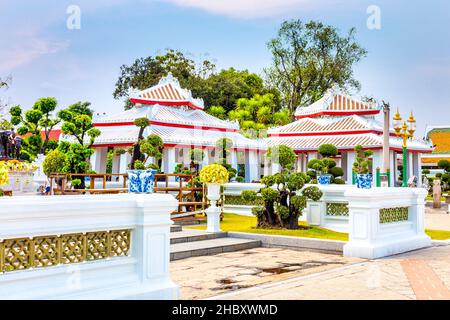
(237, 223)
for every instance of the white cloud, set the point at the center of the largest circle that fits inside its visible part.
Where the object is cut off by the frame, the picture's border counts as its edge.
(251, 8)
(30, 48)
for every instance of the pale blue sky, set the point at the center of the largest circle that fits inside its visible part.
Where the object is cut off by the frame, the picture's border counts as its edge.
(408, 62)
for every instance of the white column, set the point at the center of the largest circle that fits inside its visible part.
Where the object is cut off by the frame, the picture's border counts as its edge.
(205, 161)
(267, 169)
(125, 159)
(115, 164)
(299, 162)
(393, 160)
(98, 160)
(418, 161)
(349, 161)
(410, 165)
(169, 160)
(234, 160)
(376, 162)
(251, 166)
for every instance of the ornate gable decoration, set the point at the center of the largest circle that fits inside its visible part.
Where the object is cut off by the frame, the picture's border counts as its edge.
(334, 103)
(167, 92)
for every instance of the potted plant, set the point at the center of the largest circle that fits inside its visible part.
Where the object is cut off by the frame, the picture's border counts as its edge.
(361, 168)
(141, 179)
(213, 175)
(321, 168)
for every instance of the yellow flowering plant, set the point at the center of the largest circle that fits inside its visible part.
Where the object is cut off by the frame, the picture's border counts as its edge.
(19, 166)
(4, 175)
(214, 173)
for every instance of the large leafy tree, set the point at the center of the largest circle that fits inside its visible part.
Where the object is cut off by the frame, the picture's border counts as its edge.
(258, 113)
(146, 72)
(37, 123)
(310, 58)
(218, 89)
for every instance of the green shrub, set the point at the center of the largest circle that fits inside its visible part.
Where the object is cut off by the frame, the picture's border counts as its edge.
(328, 150)
(240, 179)
(138, 165)
(269, 194)
(54, 162)
(248, 195)
(336, 172)
(76, 182)
(444, 164)
(258, 211)
(282, 211)
(339, 181)
(313, 193)
(438, 175)
(426, 171)
(299, 202)
(283, 155)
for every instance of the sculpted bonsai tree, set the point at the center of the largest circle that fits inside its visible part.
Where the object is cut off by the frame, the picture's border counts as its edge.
(142, 123)
(283, 199)
(362, 162)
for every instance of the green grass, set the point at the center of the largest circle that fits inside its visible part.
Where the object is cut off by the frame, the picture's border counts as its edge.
(438, 234)
(237, 223)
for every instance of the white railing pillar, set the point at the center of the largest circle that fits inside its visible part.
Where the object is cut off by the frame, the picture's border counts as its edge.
(385, 221)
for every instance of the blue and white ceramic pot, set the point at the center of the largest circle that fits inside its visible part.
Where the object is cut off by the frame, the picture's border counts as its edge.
(324, 179)
(141, 181)
(364, 181)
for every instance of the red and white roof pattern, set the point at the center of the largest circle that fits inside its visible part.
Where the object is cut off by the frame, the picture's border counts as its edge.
(127, 135)
(333, 103)
(167, 92)
(327, 125)
(168, 115)
(344, 142)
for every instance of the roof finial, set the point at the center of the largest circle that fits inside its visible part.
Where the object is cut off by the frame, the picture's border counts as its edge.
(169, 78)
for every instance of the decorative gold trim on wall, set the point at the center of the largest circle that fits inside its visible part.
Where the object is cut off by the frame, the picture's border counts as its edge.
(47, 251)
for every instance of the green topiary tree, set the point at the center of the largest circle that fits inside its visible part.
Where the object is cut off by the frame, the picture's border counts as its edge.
(79, 126)
(283, 199)
(444, 164)
(283, 155)
(362, 162)
(328, 150)
(223, 147)
(38, 122)
(142, 123)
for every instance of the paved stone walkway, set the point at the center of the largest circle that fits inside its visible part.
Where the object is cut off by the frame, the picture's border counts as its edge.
(422, 274)
(202, 277)
(437, 219)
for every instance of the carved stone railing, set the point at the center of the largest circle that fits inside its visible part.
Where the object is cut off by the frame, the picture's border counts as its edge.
(90, 247)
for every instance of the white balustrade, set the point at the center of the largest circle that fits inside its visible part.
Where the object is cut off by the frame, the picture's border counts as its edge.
(86, 247)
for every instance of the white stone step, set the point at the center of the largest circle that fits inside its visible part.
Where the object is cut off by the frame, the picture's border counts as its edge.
(210, 247)
(190, 235)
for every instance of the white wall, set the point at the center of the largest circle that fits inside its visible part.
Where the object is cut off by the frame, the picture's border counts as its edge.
(142, 274)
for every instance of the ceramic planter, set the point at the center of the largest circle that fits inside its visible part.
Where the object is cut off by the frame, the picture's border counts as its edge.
(324, 179)
(213, 191)
(141, 181)
(364, 181)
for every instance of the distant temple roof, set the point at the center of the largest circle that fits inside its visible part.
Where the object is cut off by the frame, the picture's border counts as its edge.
(334, 103)
(167, 92)
(174, 116)
(341, 121)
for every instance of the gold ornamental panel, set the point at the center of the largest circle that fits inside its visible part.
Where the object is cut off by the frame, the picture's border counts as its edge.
(47, 251)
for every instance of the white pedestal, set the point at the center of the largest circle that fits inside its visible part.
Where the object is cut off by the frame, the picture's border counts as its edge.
(213, 216)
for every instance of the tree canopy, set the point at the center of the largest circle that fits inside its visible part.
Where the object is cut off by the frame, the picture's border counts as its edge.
(310, 58)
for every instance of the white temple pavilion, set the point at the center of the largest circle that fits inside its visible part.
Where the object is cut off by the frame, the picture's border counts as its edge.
(345, 122)
(180, 121)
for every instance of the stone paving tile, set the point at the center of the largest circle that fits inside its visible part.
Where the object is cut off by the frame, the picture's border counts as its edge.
(427, 276)
(202, 277)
